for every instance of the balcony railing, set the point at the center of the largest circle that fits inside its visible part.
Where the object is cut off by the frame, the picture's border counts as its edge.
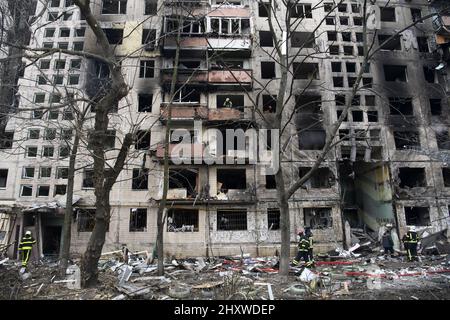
(194, 111)
(228, 79)
(184, 111)
(195, 150)
(241, 78)
(191, 76)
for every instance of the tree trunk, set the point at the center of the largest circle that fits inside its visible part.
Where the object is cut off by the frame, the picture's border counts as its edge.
(162, 205)
(279, 178)
(66, 232)
(89, 261)
(285, 223)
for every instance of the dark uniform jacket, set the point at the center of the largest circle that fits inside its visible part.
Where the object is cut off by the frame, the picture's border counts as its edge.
(27, 243)
(411, 237)
(387, 241)
(303, 244)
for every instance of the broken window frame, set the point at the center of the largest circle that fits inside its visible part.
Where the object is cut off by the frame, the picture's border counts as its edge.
(3, 178)
(183, 220)
(417, 221)
(147, 69)
(388, 14)
(233, 184)
(187, 178)
(411, 142)
(43, 191)
(410, 173)
(393, 44)
(25, 187)
(443, 140)
(140, 179)
(28, 172)
(399, 68)
(265, 38)
(273, 219)
(232, 220)
(45, 172)
(320, 222)
(302, 39)
(116, 7)
(322, 178)
(88, 179)
(268, 74)
(270, 182)
(138, 220)
(312, 71)
(145, 102)
(60, 189)
(114, 35)
(32, 152)
(435, 106)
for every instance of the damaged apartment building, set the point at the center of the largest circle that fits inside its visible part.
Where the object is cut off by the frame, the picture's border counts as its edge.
(390, 166)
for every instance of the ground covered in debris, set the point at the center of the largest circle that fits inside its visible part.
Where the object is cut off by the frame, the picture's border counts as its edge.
(240, 277)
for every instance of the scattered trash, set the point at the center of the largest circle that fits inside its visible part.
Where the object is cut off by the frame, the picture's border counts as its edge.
(179, 292)
(307, 275)
(125, 274)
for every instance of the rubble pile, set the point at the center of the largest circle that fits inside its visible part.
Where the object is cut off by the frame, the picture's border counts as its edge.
(356, 273)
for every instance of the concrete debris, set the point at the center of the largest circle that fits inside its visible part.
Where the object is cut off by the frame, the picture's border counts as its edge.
(125, 274)
(179, 292)
(133, 290)
(208, 285)
(4, 261)
(238, 277)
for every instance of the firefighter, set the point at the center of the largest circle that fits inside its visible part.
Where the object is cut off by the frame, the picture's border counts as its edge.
(228, 103)
(303, 250)
(25, 246)
(309, 236)
(410, 241)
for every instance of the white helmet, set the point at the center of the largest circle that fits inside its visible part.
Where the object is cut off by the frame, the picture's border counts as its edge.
(28, 233)
(412, 229)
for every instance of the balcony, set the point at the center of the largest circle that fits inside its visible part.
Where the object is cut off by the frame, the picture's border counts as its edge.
(186, 112)
(197, 46)
(214, 79)
(233, 47)
(189, 46)
(193, 77)
(195, 151)
(230, 79)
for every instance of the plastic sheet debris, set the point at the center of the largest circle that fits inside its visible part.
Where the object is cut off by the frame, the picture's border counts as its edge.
(133, 290)
(307, 275)
(125, 274)
(74, 274)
